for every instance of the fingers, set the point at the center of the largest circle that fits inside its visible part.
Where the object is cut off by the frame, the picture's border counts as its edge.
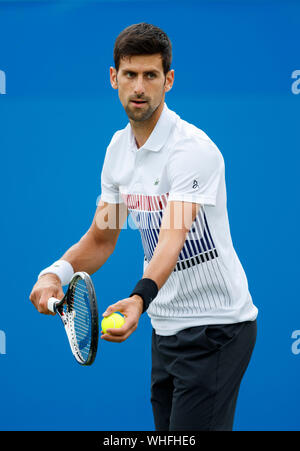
(118, 335)
(126, 306)
(119, 306)
(130, 310)
(40, 295)
(43, 304)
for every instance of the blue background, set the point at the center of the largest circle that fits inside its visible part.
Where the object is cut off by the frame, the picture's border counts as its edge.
(233, 62)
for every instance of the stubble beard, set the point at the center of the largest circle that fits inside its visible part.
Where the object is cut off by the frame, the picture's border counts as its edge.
(139, 115)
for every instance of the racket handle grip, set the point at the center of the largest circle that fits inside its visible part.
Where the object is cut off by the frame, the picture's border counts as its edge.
(52, 304)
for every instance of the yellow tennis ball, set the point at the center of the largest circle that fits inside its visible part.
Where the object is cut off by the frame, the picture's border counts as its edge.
(113, 321)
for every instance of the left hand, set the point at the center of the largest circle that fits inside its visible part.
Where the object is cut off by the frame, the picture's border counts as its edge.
(132, 309)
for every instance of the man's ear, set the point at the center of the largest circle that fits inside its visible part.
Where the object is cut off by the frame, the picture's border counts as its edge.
(169, 80)
(113, 78)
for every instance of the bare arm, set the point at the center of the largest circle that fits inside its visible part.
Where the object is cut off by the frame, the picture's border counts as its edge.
(176, 223)
(88, 255)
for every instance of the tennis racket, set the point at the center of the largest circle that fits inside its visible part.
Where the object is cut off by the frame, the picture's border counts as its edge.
(79, 314)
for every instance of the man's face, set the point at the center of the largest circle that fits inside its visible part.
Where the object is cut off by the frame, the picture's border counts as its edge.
(141, 84)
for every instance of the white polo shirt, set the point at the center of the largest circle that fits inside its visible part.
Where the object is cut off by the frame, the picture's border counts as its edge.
(179, 162)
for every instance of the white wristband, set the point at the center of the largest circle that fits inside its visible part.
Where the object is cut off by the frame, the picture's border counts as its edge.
(63, 269)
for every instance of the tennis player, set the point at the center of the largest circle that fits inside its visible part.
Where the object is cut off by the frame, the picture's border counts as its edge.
(170, 177)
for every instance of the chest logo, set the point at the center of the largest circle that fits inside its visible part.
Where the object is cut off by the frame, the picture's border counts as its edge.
(156, 182)
(195, 184)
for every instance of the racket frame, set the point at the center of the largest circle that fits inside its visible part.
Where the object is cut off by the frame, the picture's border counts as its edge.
(67, 317)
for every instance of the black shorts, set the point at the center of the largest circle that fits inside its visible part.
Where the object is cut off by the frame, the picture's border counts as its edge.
(196, 375)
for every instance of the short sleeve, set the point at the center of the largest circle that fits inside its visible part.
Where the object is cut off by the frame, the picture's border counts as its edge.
(195, 169)
(109, 189)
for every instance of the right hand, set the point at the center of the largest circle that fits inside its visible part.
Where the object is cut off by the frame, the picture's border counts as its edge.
(47, 286)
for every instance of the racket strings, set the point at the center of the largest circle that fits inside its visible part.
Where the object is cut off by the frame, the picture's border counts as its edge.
(79, 306)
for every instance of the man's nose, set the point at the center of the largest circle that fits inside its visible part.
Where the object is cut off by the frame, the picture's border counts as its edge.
(139, 86)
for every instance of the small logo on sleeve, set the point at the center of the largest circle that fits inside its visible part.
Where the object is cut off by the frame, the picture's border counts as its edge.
(195, 184)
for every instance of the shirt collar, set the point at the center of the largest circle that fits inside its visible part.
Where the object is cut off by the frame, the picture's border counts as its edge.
(159, 134)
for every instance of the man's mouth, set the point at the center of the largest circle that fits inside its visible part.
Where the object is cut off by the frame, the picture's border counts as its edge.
(138, 102)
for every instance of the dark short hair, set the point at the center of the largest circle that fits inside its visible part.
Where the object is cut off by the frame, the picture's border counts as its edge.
(143, 39)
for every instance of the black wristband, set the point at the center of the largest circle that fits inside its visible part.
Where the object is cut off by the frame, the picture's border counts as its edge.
(147, 289)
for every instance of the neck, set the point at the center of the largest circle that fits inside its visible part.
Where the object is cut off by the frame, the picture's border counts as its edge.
(142, 130)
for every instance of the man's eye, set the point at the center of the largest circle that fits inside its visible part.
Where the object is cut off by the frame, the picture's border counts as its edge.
(151, 75)
(130, 74)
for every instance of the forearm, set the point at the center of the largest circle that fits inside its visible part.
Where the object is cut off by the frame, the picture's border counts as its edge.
(163, 261)
(88, 254)
(177, 221)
